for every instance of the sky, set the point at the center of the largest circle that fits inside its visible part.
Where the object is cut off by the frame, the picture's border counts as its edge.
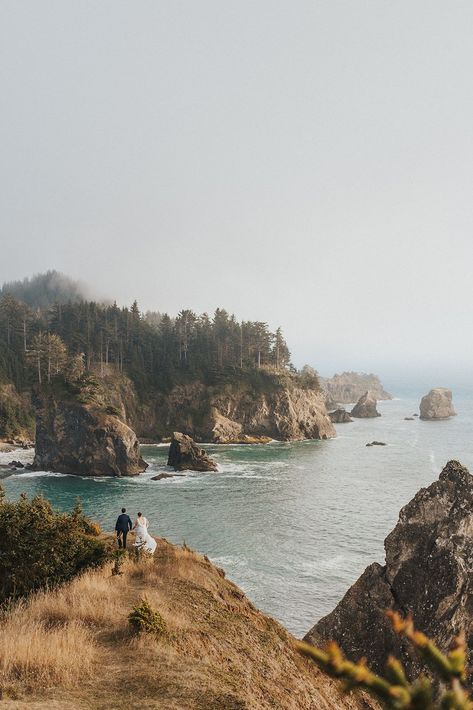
(305, 163)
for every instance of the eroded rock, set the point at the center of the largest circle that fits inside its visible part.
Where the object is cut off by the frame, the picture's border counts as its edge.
(185, 455)
(83, 439)
(365, 408)
(428, 572)
(340, 416)
(437, 404)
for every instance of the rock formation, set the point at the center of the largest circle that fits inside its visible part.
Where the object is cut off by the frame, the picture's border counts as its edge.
(437, 404)
(340, 416)
(428, 572)
(365, 408)
(184, 455)
(350, 386)
(72, 437)
(275, 408)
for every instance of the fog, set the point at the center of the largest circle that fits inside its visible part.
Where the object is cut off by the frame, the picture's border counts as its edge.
(305, 163)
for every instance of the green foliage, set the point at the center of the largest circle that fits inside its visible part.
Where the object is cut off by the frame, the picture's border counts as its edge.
(144, 618)
(40, 547)
(394, 690)
(71, 336)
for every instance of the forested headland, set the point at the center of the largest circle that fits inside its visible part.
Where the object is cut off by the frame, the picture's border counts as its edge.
(50, 330)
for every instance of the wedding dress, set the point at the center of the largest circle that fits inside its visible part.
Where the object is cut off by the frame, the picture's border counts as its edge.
(143, 538)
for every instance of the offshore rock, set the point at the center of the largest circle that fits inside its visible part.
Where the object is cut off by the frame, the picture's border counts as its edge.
(365, 408)
(72, 437)
(340, 416)
(428, 573)
(437, 404)
(185, 455)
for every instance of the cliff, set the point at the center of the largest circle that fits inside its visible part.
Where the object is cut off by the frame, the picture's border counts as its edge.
(428, 573)
(217, 651)
(348, 387)
(278, 407)
(79, 435)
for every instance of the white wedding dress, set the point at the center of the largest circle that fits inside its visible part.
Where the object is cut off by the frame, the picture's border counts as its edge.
(143, 538)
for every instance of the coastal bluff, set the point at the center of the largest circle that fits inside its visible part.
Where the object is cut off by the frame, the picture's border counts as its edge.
(428, 573)
(216, 650)
(243, 408)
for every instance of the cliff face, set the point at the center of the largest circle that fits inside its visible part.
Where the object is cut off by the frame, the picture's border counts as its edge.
(348, 387)
(85, 439)
(218, 652)
(229, 412)
(428, 573)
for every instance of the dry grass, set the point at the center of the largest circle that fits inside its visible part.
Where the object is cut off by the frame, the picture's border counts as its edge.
(75, 647)
(35, 656)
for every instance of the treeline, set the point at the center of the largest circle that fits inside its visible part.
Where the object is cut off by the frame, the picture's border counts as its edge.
(154, 349)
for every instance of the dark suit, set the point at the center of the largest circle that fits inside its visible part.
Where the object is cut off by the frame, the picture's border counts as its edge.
(122, 527)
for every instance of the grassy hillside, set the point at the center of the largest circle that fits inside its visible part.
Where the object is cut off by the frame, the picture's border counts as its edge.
(74, 648)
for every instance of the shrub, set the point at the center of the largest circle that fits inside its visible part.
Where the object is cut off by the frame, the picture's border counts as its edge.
(394, 690)
(144, 618)
(40, 547)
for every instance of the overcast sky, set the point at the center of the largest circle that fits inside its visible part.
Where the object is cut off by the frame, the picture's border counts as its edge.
(306, 163)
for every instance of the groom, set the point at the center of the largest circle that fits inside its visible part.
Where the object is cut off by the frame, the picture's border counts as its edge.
(122, 527)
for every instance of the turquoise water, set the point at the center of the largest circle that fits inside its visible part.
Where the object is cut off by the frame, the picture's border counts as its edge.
(293, 524)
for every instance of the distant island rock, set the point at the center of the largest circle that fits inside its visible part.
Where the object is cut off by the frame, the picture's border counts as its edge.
(185, 455)
(428, 571)
(84, 439)
(348, 387)
(377, 443)
(365, 408)
(340, 416)
(437, 404)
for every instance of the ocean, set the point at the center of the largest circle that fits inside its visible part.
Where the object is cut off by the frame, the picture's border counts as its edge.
(293, 524)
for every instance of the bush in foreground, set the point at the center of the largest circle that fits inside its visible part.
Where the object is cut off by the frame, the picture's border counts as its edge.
(394, 690)
(40, 547)
(144, 618)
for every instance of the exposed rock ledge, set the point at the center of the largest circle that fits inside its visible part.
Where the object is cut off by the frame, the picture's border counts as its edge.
(437, 404)
(428, 572)
(83, 439)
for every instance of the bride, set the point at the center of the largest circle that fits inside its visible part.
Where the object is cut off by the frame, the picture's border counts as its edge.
(143, 538)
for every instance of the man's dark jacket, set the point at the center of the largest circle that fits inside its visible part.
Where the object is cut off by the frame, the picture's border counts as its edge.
(123, 523)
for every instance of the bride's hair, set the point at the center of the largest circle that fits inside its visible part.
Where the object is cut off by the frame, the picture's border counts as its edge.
(140, 514)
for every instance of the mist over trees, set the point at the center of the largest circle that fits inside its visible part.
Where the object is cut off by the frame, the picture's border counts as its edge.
(43, 290)
(73, 335)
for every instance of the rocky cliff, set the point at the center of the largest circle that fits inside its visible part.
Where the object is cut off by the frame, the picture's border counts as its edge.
(83, 438)
(428, 573)
(437, 404)
(348, 387)
(278, 408)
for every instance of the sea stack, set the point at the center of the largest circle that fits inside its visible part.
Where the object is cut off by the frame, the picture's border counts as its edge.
(437, 404)
(84, 439)
(428, 573)
(365, 408)
(185, 455)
